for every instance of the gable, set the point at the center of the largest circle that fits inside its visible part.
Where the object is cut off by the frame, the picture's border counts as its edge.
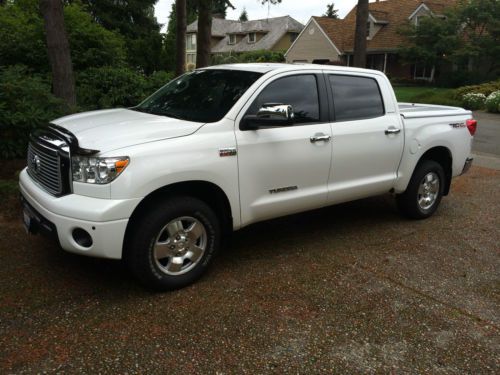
(312, 44)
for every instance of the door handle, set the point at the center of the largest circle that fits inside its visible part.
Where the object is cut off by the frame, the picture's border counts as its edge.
(392, 130)
(320, 138)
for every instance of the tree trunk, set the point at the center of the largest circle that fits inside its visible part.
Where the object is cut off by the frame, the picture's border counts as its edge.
(360, 34)
(180, 43)
(204, 35)
(63, 82)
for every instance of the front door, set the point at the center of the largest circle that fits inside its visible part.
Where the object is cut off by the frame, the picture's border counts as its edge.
(285, 169)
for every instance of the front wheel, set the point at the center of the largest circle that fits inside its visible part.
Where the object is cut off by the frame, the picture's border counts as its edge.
(173, 243)
(424, 192)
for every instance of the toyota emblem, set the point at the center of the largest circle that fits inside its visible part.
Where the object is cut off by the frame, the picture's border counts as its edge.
(36, 163)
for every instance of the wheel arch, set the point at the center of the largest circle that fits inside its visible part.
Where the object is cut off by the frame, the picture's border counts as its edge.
(443, 156)
(208, 192)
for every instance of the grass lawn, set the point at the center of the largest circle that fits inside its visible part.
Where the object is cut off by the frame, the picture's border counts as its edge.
(407, 93)
(425, 94)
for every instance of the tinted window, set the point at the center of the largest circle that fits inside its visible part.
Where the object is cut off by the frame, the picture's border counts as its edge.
(356, 98)
(301, 92)
(200, 96)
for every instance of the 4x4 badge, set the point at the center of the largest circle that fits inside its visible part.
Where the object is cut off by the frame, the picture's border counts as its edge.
(229, 151)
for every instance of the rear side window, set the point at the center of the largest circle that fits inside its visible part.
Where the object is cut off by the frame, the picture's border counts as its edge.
(300, 91)
(356, 98)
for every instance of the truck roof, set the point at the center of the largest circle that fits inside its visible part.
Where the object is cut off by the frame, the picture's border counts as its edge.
(267, 67)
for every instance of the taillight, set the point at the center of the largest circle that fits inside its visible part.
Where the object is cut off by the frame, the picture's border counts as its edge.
(472, 126)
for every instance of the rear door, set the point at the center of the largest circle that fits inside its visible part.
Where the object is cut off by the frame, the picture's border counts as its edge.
(284, 169)
(367, 137)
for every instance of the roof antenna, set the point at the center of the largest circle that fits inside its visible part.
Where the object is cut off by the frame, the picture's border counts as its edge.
(268, 9)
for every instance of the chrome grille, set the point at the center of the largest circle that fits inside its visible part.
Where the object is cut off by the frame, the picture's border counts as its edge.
(44, 166)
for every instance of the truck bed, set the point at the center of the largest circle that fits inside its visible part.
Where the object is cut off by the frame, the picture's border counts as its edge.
(412, 110)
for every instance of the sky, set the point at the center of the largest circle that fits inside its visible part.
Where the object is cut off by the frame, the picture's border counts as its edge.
(301, 10)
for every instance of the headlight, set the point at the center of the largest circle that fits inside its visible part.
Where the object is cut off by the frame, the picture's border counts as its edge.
(97, 170)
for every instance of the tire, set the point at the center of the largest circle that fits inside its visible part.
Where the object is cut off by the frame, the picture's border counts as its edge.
(173, 243)
(421, 198)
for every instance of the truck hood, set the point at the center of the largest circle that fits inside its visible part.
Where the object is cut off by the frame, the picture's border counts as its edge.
(111, 129)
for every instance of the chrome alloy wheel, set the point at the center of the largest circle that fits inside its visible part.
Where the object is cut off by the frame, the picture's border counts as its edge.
(180, 245)
(428, 190)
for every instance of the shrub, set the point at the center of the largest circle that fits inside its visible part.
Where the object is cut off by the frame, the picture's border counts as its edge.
(25, 104)
(473, 101)
(109, 87)
(485, 89)
(492, 102)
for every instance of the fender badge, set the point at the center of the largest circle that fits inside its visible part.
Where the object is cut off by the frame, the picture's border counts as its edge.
(229, 151)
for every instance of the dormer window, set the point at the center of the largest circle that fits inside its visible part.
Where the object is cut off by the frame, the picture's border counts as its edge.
(252, 37)
(368, 29)
(232, 39)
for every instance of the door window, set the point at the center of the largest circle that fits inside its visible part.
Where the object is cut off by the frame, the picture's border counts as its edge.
(356, 98)
(300, 91)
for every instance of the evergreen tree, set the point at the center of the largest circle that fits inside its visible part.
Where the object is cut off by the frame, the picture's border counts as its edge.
(331, 12)
(243, 15)
(135, 21)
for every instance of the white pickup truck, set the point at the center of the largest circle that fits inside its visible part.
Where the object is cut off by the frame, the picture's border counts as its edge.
(162, 185)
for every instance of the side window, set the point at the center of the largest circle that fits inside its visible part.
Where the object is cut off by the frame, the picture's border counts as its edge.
(356, 98)
(300, 91)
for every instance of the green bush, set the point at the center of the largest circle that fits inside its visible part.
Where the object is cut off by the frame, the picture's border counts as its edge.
(492, 102)
(473, 101)
(25, 104)
(109, 87)
(485, 89)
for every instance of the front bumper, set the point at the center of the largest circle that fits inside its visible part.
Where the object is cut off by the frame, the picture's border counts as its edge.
(104, 219)
(467, 165)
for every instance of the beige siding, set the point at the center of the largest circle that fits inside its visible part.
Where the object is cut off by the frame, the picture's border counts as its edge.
(311, 45)
(283, 44)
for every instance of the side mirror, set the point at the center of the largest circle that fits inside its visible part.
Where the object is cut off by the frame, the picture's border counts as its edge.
(270, 114)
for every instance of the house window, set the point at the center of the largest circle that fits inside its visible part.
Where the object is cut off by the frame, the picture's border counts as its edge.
(191, 58)
(368, 29)
(191, 42)
(424, 72)
(232, 39)
(293, 36)
(252, 38)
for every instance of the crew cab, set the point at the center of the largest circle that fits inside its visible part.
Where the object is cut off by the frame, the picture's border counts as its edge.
(163, 184)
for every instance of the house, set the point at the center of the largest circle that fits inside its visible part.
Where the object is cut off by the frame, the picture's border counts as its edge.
(229, 36)
(325, 40)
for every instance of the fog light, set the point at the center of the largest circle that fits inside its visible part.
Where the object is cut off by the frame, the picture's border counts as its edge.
(82, 237)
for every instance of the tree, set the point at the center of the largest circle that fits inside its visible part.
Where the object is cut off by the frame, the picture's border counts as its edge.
(243, 15)
(135, 21)
(171, 37)
(63, 81)
(180, 64)
(360, 34)
(204, 35)
(331, 12)
(468, 37)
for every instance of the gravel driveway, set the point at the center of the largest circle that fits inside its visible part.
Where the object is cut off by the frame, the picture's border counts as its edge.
(347, 289)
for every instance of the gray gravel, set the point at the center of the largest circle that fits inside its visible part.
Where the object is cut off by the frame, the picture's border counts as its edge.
(348, 289)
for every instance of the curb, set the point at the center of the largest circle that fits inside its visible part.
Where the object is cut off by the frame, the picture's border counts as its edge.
(486, 160)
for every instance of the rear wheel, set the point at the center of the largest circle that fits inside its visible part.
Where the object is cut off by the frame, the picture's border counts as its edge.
(173, 243)
(424, 192)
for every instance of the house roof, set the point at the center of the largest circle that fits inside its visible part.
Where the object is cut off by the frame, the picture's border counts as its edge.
(273, 28)
(390, 14)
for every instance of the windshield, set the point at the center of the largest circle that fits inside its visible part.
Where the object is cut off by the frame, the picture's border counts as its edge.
(200, 96)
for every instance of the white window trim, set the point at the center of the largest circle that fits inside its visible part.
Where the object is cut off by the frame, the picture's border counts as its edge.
(233, 42)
